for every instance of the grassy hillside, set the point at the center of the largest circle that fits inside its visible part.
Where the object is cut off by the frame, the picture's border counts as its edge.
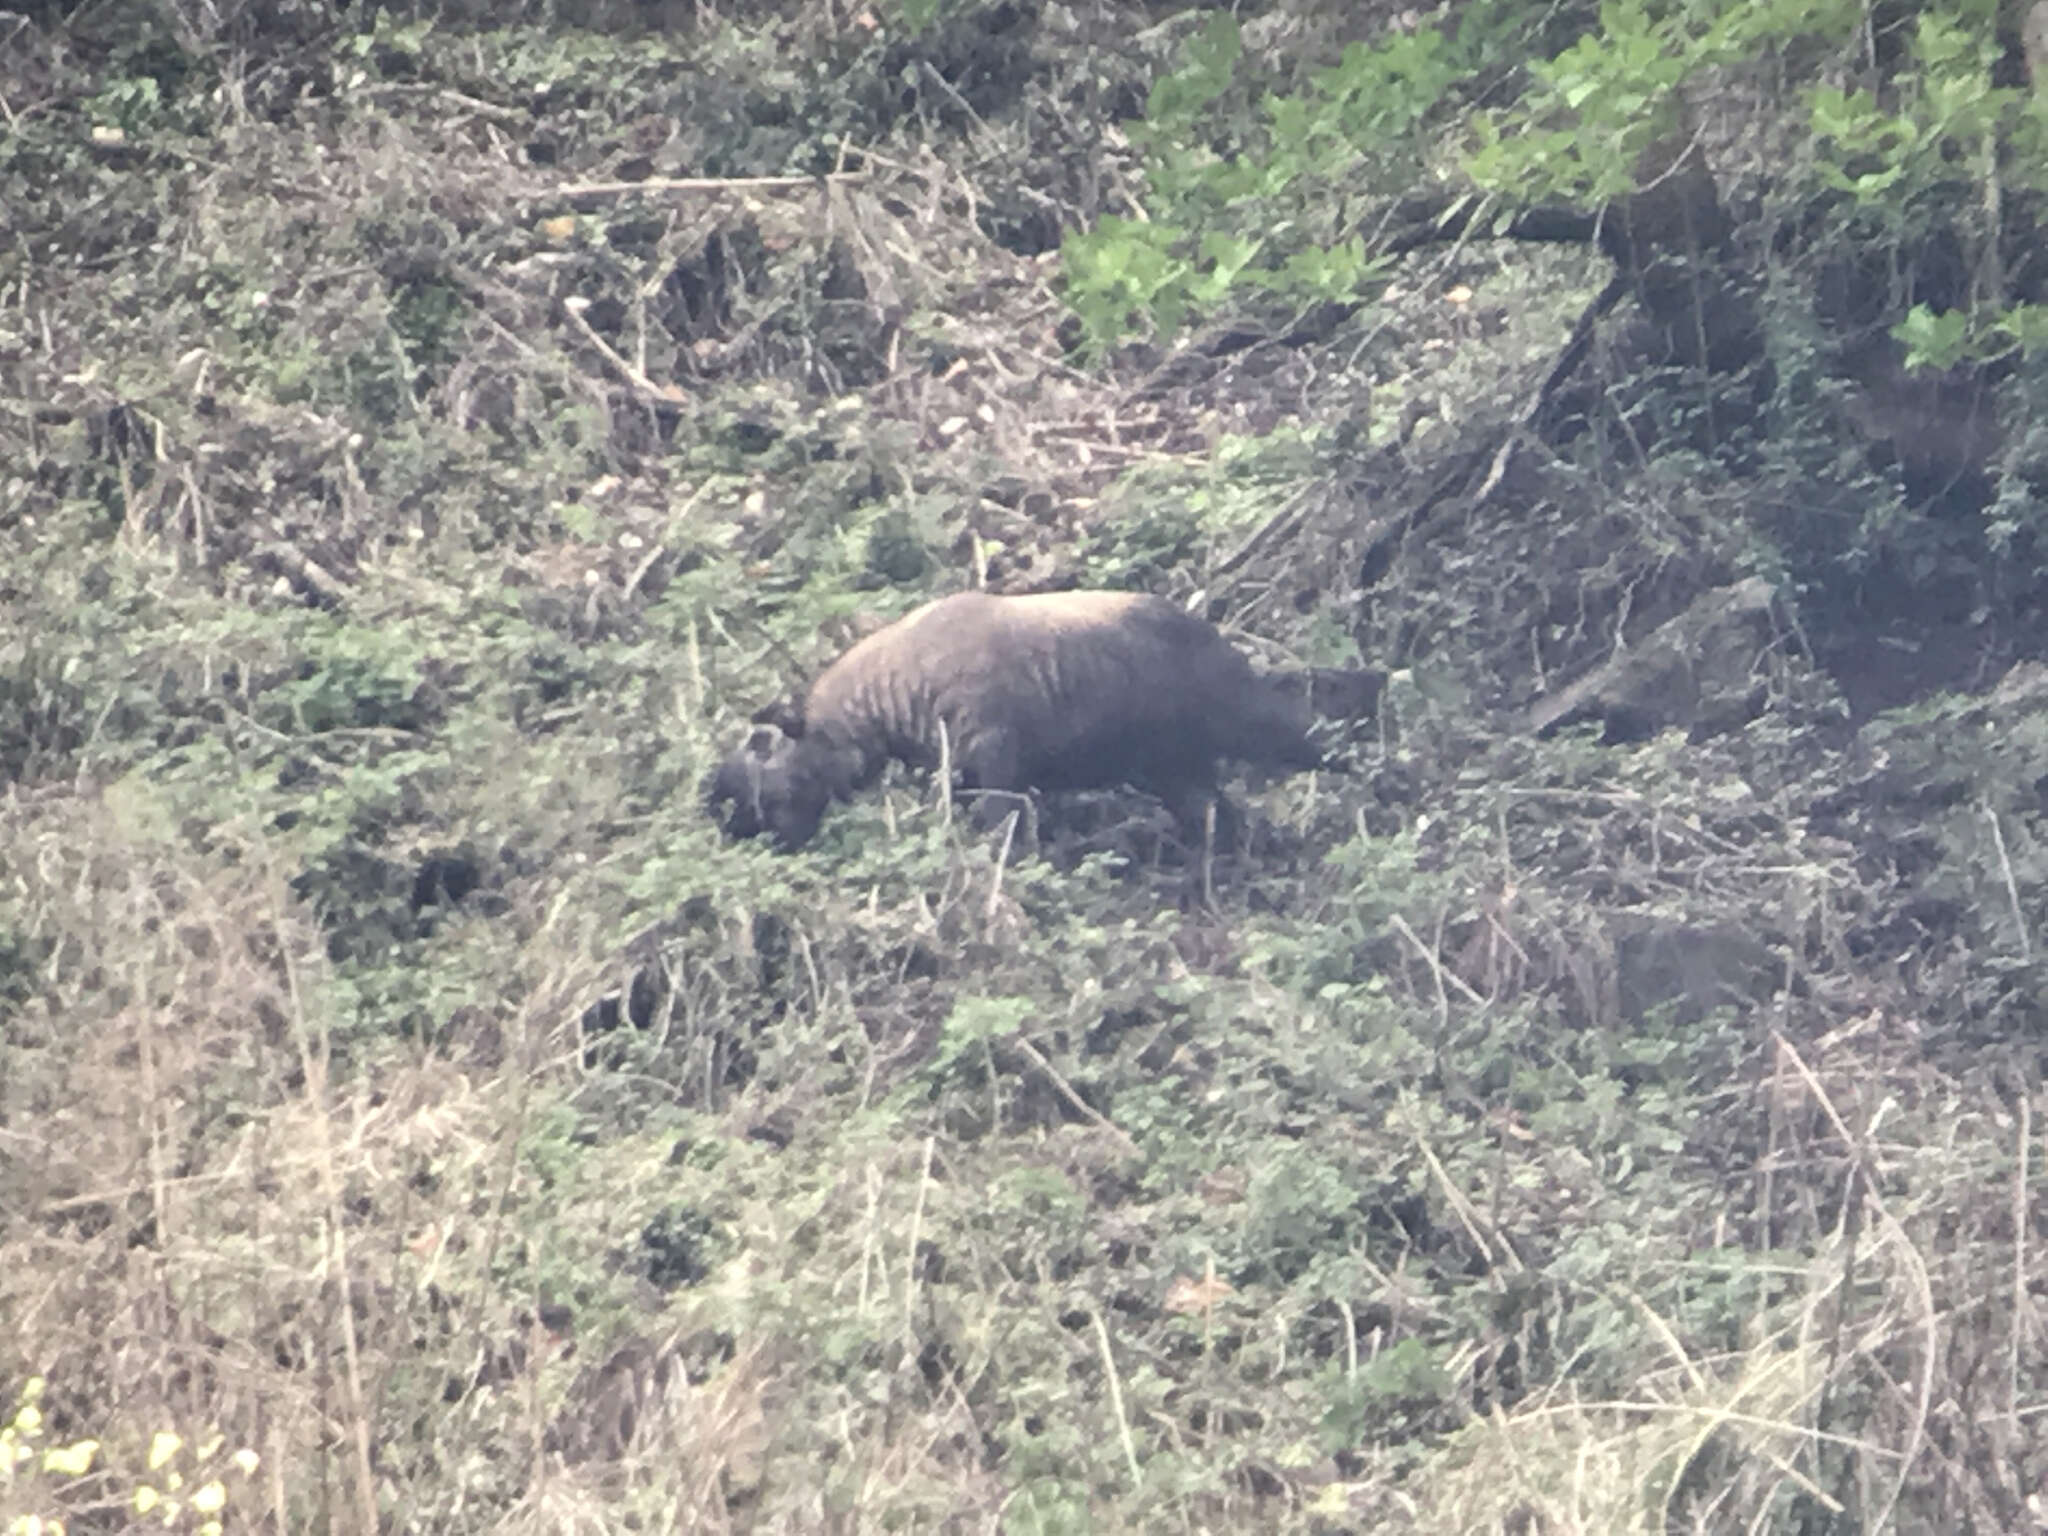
(423, 443)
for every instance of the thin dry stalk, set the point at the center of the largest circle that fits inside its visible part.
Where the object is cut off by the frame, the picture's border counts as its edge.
(924, 1184)
(314, 1054)
(706, 184)
(1066, 1091)
(1495, 1248)
(1909, 1258)
(2012, 885)
(1116, 1395)
(2022, 1300)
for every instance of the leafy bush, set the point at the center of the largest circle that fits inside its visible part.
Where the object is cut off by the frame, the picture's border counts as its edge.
(1275, 214)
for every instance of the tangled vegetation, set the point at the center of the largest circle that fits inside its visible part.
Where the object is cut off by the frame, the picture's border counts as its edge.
(429, 433)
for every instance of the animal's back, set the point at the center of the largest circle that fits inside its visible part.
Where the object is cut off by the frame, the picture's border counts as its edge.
(1154, 693)
(970, 637)
(884, 690)
(1062, 689)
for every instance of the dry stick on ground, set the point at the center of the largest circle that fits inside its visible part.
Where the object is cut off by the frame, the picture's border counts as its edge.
(510, 116)
(1066, 1091)
(665, 394)
(299, 566)
(703, 184)
(489, 294)
(1116, 1395)
(1492, 1245)
(1435, 963)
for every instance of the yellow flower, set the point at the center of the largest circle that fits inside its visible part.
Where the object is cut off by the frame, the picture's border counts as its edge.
(145, 1499)
(70, 1460)
(162, 1447)
(211, 1499)
(246, 1460)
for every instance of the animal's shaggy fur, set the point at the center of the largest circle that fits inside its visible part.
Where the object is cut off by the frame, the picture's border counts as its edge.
(1059, 691)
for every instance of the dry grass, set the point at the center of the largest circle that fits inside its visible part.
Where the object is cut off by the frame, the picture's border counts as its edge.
(203, 1222)
(203, 1230)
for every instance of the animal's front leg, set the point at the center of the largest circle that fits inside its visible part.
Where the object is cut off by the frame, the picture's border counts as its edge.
(989, 767)
(1190, 804)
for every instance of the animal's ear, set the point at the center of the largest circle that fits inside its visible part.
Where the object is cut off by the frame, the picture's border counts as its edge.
(786, 715)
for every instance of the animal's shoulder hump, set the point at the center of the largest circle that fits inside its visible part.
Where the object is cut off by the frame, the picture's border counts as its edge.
(1095, 609)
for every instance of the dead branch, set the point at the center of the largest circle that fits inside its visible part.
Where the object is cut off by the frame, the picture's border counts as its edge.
(704, 184)
(664, 394)
(1493, 453)
(305, 572)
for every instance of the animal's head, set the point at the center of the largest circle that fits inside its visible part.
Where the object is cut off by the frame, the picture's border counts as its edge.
(775, 784)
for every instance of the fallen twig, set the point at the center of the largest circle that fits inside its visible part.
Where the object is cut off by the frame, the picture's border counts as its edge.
(705, 184)
(1492, 454)
(1066, 1091)
(666, 394)
(301, 568)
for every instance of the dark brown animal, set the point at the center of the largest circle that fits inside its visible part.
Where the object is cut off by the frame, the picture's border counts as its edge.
(1060, 691)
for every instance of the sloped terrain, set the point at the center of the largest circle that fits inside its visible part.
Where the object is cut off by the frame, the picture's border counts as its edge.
(1605, 1103)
